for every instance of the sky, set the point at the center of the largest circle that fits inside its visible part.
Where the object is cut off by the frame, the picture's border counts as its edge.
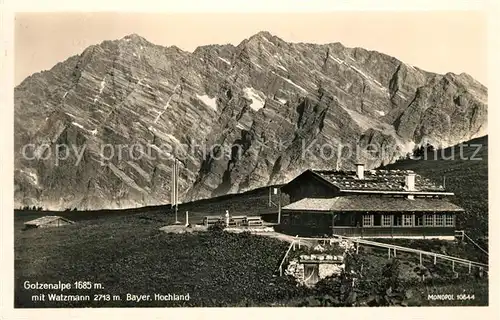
(437, 41)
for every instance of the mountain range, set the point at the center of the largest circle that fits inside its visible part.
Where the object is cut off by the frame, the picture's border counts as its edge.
(102, 128)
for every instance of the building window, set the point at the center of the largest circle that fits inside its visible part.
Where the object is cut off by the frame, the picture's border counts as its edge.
(367, 220)
(439, 219)
(450, 220)
(386, 220)
(419, 220)
(377, 220)
(407, 220)
(398, 220)
(429, 219)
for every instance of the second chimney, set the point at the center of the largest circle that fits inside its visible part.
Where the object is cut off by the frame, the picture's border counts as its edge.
(410, 182)
(360, 171)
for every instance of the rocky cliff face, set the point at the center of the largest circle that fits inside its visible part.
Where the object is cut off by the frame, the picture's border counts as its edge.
(100, 130)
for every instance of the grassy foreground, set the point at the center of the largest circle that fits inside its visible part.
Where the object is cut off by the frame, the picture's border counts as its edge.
(129, 255)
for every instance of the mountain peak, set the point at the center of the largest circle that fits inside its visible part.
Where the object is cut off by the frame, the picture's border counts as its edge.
(264, 33)
(263, 36)
(134, 37)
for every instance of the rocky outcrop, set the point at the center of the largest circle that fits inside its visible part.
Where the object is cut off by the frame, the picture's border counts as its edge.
(237, 117)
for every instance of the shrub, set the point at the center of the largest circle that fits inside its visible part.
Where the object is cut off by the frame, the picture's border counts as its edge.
(217, 227)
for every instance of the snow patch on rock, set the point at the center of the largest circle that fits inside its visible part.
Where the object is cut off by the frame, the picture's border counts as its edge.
(257, 65)
(76, 124)
(293, 83)
(359, 71)
(167, 104)
(165, 136)
(267, 40)
(281, 67)
(211, 102)
(364, 75)
(226, 61)
(144, 84)
(257, 101)
(32, 176)
(337, 60)
(103, 83)
(408, 147)
(282, 100)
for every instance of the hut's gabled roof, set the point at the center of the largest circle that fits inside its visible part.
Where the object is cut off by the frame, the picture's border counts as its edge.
(377, 180)
(45, 220)
(371, 204)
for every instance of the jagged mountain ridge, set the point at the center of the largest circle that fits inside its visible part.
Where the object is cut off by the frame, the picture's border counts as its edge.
(270, 98)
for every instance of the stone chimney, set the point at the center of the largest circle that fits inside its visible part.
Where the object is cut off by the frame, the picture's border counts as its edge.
(410, 182)
(360, 171)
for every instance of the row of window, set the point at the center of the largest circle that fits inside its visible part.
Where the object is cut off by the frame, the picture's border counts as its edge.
(409, 220)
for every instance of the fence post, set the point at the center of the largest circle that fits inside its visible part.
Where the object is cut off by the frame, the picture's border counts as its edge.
(357, 247)
(470, 267)
(389, 252)
(435, 259)
(453, 266)
(420, 258)
(394, 252)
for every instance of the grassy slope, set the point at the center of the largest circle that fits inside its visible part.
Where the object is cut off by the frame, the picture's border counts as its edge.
(254, 202)
(467, 178)
(128, 254)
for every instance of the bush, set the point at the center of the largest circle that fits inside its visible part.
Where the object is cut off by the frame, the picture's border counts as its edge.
(217, 227)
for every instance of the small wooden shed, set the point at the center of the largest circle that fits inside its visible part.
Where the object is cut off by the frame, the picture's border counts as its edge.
(47, 222)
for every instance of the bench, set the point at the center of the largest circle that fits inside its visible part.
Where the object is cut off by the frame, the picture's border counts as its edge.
(210, 220)
(237, 220)
(253, 221)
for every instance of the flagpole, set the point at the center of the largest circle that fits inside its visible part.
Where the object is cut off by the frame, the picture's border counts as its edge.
(176, 190)
(172, 187)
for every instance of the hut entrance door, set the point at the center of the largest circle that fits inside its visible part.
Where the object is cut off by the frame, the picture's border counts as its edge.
(311, 274)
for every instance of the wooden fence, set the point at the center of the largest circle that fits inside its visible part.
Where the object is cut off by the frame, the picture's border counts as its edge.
(292, 244)
(392, 250)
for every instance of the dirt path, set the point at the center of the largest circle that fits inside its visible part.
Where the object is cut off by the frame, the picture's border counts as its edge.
(287, 238)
